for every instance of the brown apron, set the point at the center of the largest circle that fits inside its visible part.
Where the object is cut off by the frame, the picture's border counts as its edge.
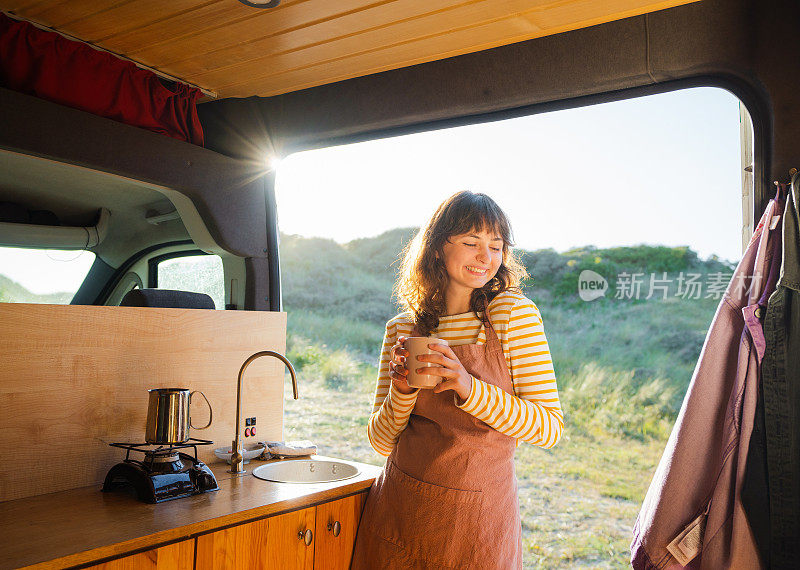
(447, 496)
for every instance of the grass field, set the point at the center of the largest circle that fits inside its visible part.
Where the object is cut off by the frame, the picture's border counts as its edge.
(578, 501)
(622, 366)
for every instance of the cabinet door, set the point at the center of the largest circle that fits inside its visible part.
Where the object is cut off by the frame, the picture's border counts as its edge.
(178, 556)
(334, 548)
(271, 543)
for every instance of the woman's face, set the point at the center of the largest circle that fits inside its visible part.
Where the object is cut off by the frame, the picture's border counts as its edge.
(472, 259)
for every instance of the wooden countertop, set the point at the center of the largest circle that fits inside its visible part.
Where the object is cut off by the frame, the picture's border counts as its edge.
(84, 525)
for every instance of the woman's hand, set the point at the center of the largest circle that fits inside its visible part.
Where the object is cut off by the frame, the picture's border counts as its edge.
(455, 376)
(397, 367)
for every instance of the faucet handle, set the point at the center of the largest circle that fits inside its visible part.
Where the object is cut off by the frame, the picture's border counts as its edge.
(237, 459)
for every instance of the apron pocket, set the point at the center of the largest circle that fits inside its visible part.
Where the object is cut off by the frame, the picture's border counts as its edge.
(431, 522)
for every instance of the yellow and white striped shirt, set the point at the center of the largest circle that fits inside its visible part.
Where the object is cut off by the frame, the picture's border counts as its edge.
(533, 414)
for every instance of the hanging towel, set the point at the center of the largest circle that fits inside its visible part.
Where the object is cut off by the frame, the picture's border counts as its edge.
(297, 448)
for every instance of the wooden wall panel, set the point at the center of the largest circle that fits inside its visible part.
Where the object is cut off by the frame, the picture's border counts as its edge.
(75, 378)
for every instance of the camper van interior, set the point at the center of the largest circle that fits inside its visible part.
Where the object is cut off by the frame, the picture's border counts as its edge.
(140, 139)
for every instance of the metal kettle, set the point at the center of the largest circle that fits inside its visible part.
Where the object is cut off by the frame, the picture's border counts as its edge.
(168, 415)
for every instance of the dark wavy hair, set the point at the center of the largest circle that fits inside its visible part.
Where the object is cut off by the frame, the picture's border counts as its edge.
(421, 286)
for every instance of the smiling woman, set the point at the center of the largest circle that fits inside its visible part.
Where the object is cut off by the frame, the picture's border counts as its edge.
(471, 261)
(460, 282)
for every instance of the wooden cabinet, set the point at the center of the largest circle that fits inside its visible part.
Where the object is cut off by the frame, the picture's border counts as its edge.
(335, 534)
(311, 538)
(269, 543)
(318, 538)
(178, 556)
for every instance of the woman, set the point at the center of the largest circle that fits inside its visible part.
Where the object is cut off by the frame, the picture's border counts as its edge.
(447, 496)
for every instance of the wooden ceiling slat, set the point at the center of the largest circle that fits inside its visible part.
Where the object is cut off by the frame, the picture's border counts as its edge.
(193, 26)
(34, 8)
(436, 24)
(58, 14)
(264, 22)
(457, 42)
(11, 6)
(171, 28)
(134, 15)
(589, 12)
(350, 26)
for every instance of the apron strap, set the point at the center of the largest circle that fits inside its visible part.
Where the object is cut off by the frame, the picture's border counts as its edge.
(487, 322)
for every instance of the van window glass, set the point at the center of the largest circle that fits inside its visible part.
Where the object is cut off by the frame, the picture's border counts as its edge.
(42, 275)
(197, 273)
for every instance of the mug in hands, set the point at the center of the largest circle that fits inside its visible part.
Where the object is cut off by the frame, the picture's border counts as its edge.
(416, 346)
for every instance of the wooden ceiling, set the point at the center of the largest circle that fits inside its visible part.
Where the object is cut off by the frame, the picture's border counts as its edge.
(232, 50)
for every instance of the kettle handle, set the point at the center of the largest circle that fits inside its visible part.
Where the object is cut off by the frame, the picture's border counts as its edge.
(210, 411)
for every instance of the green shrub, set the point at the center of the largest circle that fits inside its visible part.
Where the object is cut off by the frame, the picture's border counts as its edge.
(599, 401)
(337, 370)
(649, 258)
(362, 338)
(302, 353)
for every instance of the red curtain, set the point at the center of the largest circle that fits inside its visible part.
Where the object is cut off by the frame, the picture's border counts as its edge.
(50, 66)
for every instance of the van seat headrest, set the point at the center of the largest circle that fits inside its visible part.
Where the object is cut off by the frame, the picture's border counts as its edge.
(167, 299)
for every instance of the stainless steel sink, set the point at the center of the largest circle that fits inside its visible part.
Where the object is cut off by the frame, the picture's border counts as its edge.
(305, 471)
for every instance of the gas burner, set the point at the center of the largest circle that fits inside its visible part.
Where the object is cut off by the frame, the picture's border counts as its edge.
(160, 457)
(165, 473)
(162, 449)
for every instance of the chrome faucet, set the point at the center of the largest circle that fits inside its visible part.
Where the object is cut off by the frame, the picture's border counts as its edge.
(237, 459)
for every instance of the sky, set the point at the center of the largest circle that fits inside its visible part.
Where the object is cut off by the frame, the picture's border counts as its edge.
(663, 169)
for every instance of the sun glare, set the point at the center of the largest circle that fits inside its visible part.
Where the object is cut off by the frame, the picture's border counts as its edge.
(272, 162)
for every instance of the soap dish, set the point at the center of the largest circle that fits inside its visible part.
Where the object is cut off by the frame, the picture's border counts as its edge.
(249, 451)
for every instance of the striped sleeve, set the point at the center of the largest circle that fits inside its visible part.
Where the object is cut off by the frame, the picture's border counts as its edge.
(533, 413)
(390, 409)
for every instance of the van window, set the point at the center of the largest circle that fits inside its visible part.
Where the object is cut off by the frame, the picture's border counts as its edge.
(628, 217)
(198, 273)
(42, 275)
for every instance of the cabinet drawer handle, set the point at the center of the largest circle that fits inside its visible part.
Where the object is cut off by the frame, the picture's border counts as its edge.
(306, 536)
(336, 527)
